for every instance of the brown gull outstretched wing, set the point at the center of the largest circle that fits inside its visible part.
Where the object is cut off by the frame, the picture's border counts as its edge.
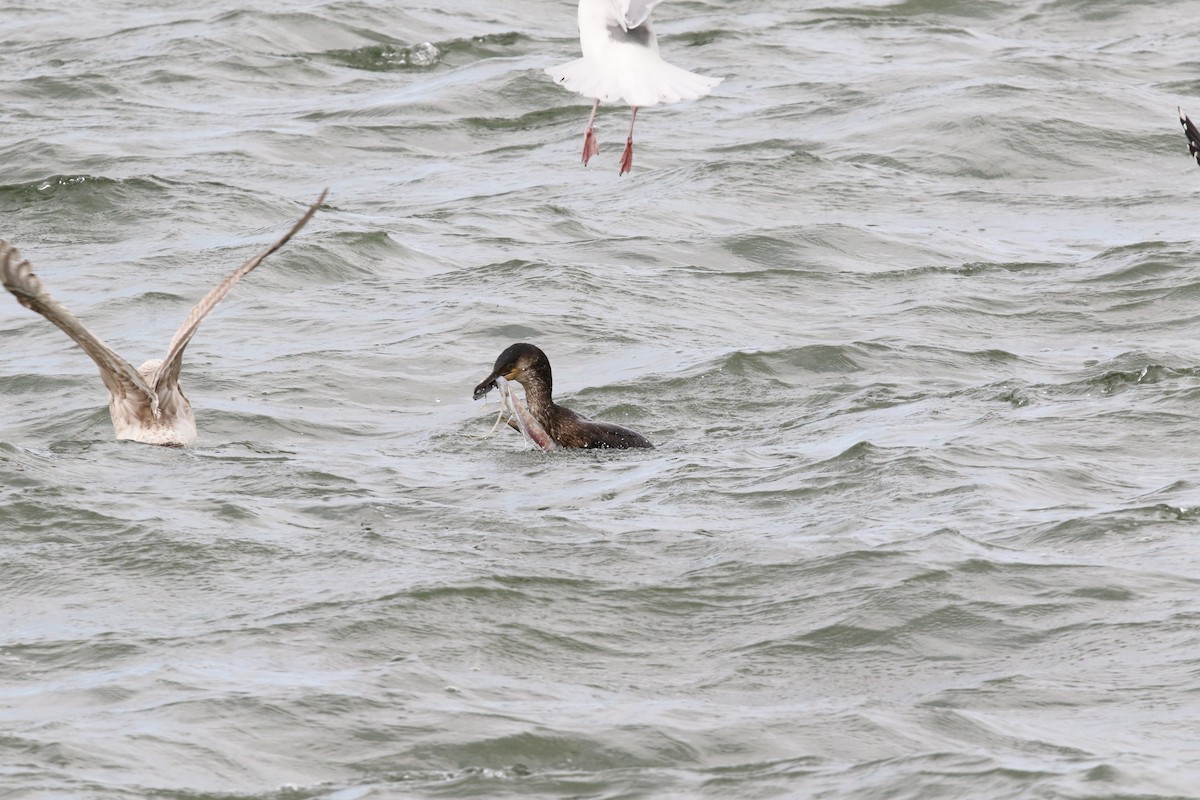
(169, 369)
(118, 375)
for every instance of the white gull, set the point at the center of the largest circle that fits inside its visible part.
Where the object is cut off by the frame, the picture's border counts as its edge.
(621, 62)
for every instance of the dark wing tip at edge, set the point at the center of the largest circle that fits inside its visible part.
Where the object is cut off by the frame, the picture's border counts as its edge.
(1192, 133)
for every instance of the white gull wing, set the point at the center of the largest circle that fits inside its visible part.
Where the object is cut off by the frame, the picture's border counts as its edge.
(118, 375)
(167, 373)
(632, 13)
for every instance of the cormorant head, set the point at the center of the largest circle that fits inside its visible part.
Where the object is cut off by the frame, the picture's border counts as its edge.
(520, 362)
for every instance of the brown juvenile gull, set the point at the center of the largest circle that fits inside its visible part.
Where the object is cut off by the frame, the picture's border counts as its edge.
(146, 404)
(621, 62)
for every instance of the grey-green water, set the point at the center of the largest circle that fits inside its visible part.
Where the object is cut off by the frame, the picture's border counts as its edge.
(910, 306)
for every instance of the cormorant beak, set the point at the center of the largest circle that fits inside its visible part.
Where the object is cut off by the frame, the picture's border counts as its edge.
(490, 382)
(485, 387)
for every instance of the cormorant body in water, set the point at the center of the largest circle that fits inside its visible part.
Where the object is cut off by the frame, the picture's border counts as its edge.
(529, 366)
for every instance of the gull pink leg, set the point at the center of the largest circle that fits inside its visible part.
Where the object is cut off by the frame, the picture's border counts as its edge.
(590, 148)
(627, 158)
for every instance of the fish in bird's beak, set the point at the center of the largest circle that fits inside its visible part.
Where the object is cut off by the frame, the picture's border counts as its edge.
(529, 427)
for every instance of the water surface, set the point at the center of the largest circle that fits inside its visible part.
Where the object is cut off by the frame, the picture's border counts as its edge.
(909, 306)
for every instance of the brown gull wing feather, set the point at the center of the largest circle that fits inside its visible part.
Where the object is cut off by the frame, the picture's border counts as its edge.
(118, 375)
(169, 369)
(1193, 135)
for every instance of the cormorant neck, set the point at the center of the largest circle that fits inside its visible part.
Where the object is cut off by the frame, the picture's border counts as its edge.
(538, 396)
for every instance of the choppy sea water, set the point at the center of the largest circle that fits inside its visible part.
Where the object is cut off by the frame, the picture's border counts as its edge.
(910, 306)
